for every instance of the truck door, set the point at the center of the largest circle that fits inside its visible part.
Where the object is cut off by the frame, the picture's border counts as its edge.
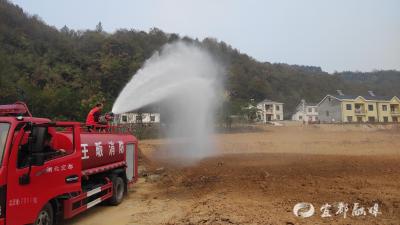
(35, 176)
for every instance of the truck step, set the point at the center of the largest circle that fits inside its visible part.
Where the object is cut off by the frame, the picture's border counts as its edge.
(88, 199)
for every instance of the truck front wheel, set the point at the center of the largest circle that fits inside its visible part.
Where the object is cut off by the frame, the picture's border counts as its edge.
(45, 216)
(118, 191)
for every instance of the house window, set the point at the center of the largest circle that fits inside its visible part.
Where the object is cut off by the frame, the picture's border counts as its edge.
(309, 110)
(327, 113)
(384, 107)
(152, 118)
(349, 119)
(277, 108)
(394, 108)
(394, 119)
(371, 119)
(124, 118)
(300, 117)
(348, 106)
(370, 107)
(138, 119)
(359, 119)
(385, 119)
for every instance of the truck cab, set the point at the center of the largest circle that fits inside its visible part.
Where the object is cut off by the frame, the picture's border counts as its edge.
(54, 170)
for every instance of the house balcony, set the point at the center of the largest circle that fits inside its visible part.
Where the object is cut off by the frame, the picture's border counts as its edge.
(268, 111)
(395, 112)
(359, 111)
(394, 109)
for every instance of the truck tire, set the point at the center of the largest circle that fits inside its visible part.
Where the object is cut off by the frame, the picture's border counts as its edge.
(118, 190)
(45, 216)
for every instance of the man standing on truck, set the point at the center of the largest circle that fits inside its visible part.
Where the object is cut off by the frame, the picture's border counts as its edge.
(93, 117)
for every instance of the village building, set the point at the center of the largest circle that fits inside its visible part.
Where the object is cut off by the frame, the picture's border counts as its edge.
(269, 110)
(361, 108)
(146, 115)
(136, 117)
(306, 112)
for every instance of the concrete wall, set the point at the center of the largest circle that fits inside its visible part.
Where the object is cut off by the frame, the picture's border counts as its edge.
(278, 113)
(305, 114)
(330, 110)
(384, 114)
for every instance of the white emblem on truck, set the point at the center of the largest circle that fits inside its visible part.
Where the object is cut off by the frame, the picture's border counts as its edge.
(121, 147)
(85, 150)
(111, 148)
(99, 149)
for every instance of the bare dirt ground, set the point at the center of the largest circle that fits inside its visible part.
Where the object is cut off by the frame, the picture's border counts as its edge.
(257, 178)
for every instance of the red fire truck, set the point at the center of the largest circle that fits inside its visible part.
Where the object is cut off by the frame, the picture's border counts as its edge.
(54, 170)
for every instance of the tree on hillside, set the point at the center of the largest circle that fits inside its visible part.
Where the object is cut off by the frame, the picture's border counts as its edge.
(99, 28)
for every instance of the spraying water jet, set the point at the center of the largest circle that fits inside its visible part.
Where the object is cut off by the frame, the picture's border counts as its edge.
(188, 80)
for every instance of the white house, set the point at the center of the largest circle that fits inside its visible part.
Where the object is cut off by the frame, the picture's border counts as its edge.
(269, 110)
(306, 112)
(135, 117)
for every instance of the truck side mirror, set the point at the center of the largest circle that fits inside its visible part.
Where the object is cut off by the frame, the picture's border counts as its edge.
(36, 156)
(36, 159)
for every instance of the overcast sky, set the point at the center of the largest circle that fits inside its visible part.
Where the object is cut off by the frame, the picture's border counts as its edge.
(336, 35)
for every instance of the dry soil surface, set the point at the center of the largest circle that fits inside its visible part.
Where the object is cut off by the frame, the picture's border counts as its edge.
(257, 178)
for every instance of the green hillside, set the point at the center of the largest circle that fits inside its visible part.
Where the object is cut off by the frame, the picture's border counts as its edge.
(61, 73)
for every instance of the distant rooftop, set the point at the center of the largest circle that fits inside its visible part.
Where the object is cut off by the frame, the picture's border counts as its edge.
(306, 103)
(269, 101)
(366, 97)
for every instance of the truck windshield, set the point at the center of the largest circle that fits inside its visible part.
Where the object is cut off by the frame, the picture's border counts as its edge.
(4, 127)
